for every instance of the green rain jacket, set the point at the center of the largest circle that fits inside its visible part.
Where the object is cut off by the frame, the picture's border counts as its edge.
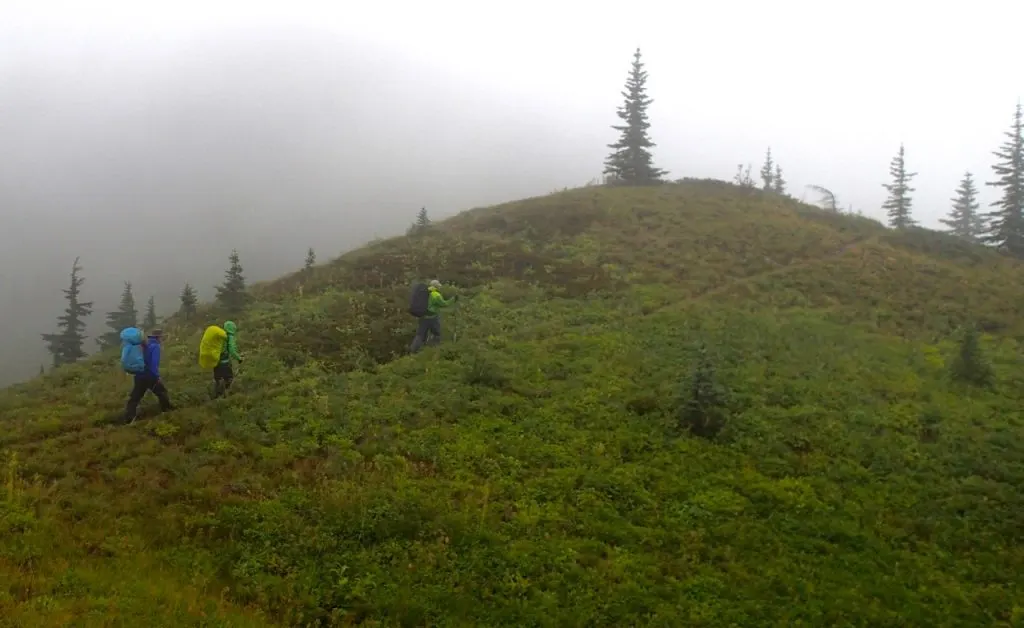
(436, 302)
(230, 349)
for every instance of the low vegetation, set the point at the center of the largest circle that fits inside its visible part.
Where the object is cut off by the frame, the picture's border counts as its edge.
(680, 405)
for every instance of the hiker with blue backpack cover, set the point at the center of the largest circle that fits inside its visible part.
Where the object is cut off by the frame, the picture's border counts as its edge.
(140, 357)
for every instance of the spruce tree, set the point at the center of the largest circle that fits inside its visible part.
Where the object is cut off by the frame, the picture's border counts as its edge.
(149, 323)
(232, 294)
(970, 365)
(421, 224)
(768, 171)
(964, 220)
(189, 301)
(703, 403)
(310, 259)
(898, 205)
(630, 161)
(124, 316)
(422, 219)
(829, 201)
(778, 183)
(1006, 229)
(66, 344)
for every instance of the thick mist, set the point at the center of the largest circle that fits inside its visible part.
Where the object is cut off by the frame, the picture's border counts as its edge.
(270, 143)
(151, 140)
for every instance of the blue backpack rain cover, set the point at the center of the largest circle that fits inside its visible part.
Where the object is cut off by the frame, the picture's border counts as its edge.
(133, 357)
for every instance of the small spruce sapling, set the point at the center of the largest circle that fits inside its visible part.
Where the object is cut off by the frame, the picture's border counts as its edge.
(970, 365)
(231, 294)
(702, 407)
(189, 301)
(768, 171)
(422, 219)
(124, 316)
(422, 223)
(149, 323)
(778, 183)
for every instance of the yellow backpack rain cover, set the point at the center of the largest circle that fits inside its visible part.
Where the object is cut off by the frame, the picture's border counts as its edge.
(211, 346)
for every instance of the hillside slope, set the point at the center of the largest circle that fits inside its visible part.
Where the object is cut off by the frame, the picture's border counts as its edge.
(532, 472)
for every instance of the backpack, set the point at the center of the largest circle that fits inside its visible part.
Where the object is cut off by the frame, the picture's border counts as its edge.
(419, 300)
(133, 354)
(211, 346)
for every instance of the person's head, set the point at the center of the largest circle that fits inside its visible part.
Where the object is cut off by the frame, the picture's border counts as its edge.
(435, 284)
(230, 327)
(156, 334)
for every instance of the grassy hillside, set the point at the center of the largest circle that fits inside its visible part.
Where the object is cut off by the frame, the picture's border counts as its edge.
(534, 471)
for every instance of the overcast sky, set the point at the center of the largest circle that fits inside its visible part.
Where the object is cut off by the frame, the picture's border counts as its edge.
(152, 140)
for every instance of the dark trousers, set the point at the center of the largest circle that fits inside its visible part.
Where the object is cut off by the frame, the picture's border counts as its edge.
(222, 378)
(143, 383)
(428, 327)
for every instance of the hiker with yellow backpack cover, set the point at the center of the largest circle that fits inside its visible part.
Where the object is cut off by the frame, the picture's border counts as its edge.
(216, 350)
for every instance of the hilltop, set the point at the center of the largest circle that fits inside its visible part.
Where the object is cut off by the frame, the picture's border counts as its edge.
(533, 471)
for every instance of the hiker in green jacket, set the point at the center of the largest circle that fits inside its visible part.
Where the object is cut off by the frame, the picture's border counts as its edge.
(430, 325)
(223, 375)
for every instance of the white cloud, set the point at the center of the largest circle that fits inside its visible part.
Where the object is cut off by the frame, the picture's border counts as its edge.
(833, 87)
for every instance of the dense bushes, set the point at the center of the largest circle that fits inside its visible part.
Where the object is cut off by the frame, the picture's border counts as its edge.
(689, 436)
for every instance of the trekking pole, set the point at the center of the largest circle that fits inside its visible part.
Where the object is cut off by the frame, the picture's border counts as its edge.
(455, 322)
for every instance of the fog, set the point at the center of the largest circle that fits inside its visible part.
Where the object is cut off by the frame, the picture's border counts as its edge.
(269, 142)
(151, 143)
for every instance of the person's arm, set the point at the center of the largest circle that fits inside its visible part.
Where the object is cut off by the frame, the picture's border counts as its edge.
(442, 302)
(437, 301)
(233, 348)
(154, 361)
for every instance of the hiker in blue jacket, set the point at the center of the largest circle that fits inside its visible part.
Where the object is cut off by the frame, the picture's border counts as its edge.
(148, 380)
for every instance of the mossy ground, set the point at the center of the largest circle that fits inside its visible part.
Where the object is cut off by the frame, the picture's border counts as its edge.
(533, 472)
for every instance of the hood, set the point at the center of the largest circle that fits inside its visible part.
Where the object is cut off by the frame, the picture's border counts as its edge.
(155, 339)
(434, 289)
(131, 335)
(230, 327)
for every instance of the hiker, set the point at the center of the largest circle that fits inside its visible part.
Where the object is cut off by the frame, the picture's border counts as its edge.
(430, 321)
(223, 375)
(148, 379)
